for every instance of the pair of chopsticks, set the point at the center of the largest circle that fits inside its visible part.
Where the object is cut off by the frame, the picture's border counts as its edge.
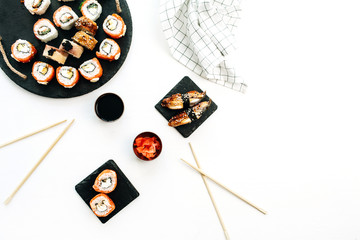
(7, 201)
(204, 176)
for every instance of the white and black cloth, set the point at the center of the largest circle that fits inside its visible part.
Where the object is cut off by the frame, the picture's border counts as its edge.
(200, 34)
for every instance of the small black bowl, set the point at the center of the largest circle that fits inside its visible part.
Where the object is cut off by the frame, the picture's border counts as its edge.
(147, 135)
(109, 107)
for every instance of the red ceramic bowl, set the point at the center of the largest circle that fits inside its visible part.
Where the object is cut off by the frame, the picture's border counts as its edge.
(147, 146)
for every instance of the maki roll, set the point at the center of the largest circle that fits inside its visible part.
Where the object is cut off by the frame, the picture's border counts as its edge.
(91, 70)
(38, 7)
(23, 51)
(67, 76)
(85, 40)
(87, 25)
(91, 9)
(43, 72)
(45, 30)
(71, 48)
(55, 54)
(106, 181)
(114, 26)
(102, 205)
(109, 50)
(65, 18)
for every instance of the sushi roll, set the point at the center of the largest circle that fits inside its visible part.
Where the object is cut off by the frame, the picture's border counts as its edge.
(109, 50)
(114, 26)
(106, 181)
(67, 76)
(71, 48)
(55, 54)
(91, 70)
(87, 25)
(43, 72)
(38, 7)
(45, 30)
(65, 18)
(102, 205)
(23, 51)
(85, 40)
(91, 9)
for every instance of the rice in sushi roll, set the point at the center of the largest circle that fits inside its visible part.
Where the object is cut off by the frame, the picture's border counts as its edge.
(45, 30)
(91, 70)
(67, 76)
(114, 26)
(91, 9)
(23, 51)
(65, 18)
(106, 181)
(102, 205)
(109, 50)
(38, 7)
(43, 72)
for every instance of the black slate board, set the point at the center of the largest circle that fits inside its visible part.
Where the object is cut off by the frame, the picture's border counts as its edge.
(185, 85)
(123, 194)
(17, 22)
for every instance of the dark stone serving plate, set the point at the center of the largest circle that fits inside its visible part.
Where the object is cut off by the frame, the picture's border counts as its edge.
(16, 22)
(123, 194)
(185, 85)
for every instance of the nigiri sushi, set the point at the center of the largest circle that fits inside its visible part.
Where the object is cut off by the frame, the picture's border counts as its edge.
(189, 115)
(102, 205)
(71, 48)
(42, 72)
(180, 101)
(87, 25)
(64, 17)
(45, 30)
(67, 76)
(109, 50)
(114, 26)
(55, 54)
(91, 9)
(23, 51)
(38, 7)
(106, 181)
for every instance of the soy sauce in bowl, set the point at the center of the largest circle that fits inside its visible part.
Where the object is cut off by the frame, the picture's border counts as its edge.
(109, 107)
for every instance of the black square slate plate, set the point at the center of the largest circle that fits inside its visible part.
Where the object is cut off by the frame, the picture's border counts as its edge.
(123, 194)
(185, 85)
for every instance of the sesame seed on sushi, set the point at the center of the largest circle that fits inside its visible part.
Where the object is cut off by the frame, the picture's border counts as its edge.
(45, 30)
(42, 72)
(114, 26)
(38, 7)
(102, 205)
(67, 76)
(23, 51)
(85, 40)
(91, 9)
(64, 17)
(87, 25)
(109, 50)
(91, 70)
(106, 181)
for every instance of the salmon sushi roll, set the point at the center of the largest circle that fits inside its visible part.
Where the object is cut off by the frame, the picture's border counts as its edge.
(65, 18)
(109, 50)
(106, 181)
(67, 76)
(38, 7)
(91, 70)
(91, 9)
(114, 26)
(23, 51)
(102, 205)
(43, 72)
(45, 30)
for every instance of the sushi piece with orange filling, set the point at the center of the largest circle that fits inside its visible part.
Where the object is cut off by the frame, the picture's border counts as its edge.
(109, 50)
(102, 205)
(42, 72)
(67, 76)
(106, 181)
(23, 51)
(114, 26)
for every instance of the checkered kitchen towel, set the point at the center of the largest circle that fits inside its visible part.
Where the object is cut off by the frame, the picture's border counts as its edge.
(200, 34)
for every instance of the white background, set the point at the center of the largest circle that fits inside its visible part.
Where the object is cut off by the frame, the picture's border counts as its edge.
(289, 145)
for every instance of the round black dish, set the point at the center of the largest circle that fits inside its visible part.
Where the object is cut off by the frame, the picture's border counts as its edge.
(109, 107)
(16, 22)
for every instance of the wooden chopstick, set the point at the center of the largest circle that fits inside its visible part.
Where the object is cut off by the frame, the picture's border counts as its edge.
(31, 134)
(118, 8)
(7, 201)
(224, 187)
(2, 50)
(210, 195)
